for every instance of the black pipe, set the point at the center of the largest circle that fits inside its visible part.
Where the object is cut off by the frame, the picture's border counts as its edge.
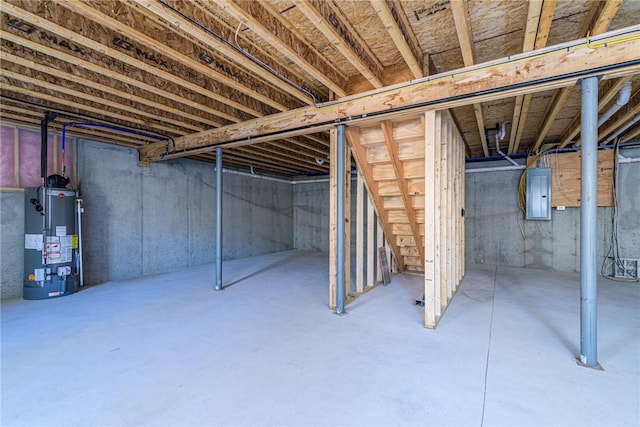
(44, 137)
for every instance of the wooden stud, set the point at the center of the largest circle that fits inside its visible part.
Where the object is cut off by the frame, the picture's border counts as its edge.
(379, 244)
(444, 218)
(360, 226)
(333, 194)
(371, 247)
(430, 193)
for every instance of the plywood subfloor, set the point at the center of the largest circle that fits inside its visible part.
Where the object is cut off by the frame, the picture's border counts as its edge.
(168, 350)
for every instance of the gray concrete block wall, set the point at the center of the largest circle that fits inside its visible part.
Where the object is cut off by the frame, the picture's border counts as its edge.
(147, 220)
(496, 232)
(162, 218)
(112, 189)
(311, 216)
(11, 243)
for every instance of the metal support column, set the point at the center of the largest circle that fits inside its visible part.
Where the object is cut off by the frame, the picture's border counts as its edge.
(589, 226)
(218, 219)
(340, 218)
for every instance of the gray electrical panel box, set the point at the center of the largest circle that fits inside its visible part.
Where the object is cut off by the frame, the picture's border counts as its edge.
(539, 194)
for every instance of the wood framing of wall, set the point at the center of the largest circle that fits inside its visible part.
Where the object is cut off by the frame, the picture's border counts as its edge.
(444, 207)
(413, 169)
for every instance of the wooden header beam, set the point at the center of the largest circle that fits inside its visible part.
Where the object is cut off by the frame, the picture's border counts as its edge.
(555, 67)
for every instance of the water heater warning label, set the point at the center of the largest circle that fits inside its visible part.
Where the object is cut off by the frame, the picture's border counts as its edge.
(33, 241)
(58, 249)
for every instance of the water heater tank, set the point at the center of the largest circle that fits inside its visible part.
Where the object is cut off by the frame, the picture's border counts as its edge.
(51, 262)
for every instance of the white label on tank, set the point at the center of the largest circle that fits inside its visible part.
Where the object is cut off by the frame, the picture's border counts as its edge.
(39, 273)
(61, 230)
(33, 241)
(65, 249)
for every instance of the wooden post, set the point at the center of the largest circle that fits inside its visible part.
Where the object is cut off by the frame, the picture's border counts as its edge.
(360, 226)
(430, 194)
(436, 135)
(442, 212)
(450, 229)
(332, 218)
(379, 244)
(371, 246)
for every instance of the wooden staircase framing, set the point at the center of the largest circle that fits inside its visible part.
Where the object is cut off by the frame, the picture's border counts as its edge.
(413, 170)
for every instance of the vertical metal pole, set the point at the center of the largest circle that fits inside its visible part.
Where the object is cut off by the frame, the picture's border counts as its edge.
(218, 219)
(589, 225)
(340, 166)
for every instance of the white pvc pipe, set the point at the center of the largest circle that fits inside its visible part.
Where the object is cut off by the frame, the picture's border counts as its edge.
(79, 211)
(621, 130)
(496, 169)
(622, 159)
(623, 98)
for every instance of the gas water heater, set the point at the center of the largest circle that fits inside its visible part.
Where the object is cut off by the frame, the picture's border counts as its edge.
(52, 246)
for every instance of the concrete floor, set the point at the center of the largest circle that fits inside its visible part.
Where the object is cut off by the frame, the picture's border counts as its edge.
(168, 350)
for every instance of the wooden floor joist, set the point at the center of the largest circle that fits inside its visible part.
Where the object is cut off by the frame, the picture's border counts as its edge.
(555, 67)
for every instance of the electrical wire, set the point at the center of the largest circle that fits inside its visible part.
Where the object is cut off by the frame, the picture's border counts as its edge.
(239, 49)
(532, 161)
(612, 257)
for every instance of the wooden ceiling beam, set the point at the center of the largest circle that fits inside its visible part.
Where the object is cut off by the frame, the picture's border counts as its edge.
(462, 21)
(80, 107)
(33, 118)
(282, 151)
(518, 74)
(111, 105)
(86, 65)
(179, 24)
(249, 156)
(398, 168)
(330, 22)
(322, 153)
(633, 134)
(604, 14)
(115, 54)
(181, 58)
(39, 69)
(264, 25)
(536, 32)
(574, 127)
(553, 109)
(265, 154)
(297, 152)
(397, 25)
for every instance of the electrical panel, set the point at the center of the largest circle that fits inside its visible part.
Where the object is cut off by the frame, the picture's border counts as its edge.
(538, 194)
